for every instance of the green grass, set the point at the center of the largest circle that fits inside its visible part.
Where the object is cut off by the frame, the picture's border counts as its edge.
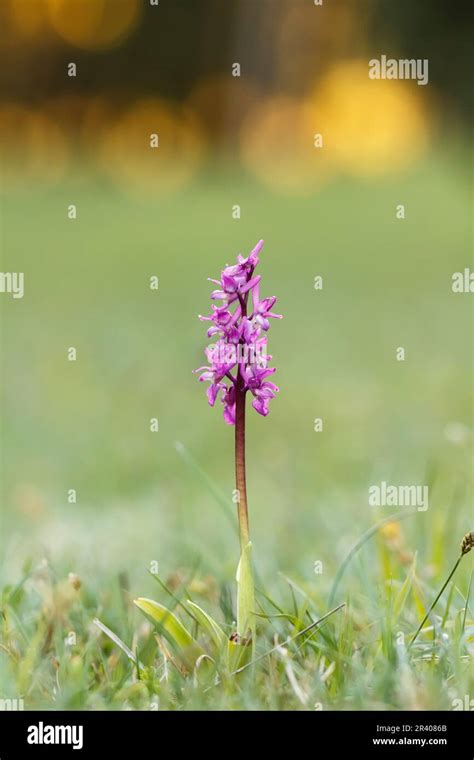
(142, 499)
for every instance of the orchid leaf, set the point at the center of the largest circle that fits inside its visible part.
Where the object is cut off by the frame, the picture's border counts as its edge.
(209, 625)
(172, 629)
(245, 594)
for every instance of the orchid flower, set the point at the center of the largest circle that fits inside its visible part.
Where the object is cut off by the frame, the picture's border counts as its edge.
(237, 364)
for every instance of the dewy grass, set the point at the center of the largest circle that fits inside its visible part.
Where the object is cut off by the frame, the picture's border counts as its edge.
(217, 656)
(466, 545)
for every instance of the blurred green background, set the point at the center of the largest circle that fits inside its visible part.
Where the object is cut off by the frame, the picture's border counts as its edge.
(168, 212)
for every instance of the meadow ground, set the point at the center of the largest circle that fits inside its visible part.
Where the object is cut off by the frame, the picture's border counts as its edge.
(162, 502)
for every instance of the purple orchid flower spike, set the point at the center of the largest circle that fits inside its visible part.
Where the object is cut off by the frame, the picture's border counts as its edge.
(238, 361)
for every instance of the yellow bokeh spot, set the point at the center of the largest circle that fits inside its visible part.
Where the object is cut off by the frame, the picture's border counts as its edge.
(277, 145)
(97, 119)
(370, 126)
(391, 531)
(94, 24)
(33, 148)
(29, 18)
(152, 148)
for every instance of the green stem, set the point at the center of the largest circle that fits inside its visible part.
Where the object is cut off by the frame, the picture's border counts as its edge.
(240, 479)
(436, 600)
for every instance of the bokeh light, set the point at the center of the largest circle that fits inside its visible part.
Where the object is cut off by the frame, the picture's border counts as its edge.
(128, 158)
(370, 126)
(98, 117)
(94, 24)
(303, 48)
(29, 19)
(33, 147)
(67, 111)
(221, 106)
(277, 145)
